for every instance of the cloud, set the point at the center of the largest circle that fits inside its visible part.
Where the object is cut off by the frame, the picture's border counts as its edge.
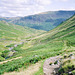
(63, 0)
(43, 2)
(22, 7)
(13, 8)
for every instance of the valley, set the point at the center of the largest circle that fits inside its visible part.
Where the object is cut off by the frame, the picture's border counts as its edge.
(36, 45)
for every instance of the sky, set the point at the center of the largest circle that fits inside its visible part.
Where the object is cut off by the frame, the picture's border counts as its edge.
(14, 8)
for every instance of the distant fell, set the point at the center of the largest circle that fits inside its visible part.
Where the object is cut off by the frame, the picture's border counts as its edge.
(42, 21)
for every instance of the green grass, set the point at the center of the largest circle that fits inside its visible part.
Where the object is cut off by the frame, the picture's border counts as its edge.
(73, 72)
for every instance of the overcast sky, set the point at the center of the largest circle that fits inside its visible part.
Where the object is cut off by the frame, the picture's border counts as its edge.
(13, 8)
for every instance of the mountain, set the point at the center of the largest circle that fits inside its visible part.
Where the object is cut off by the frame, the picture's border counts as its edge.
(58, 41)
(42, 21)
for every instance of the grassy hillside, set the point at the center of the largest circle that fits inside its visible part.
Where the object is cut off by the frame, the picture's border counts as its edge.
(43, 21)
(11, 30)
(58, 41)
(11, 34)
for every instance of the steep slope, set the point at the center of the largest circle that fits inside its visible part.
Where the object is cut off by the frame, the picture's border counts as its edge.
(58, 41)
(44, 21)
(64, 29)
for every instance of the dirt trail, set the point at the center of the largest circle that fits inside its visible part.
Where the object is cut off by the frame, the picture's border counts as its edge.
(10, 60)
(29, 71)
(49, 69)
